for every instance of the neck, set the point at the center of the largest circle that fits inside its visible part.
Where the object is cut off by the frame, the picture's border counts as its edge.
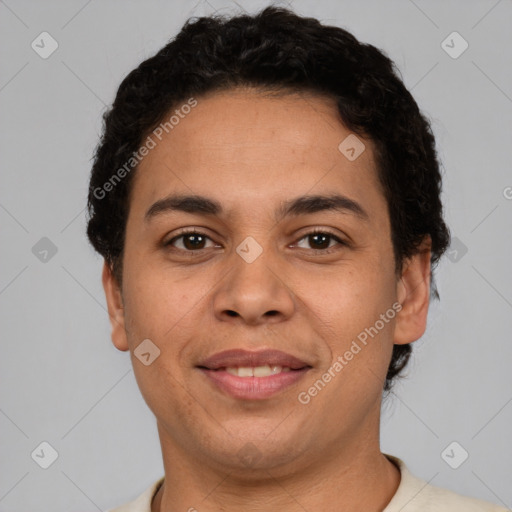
(357, 477)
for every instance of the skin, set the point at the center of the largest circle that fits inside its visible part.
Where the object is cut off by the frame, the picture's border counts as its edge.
(250, 152)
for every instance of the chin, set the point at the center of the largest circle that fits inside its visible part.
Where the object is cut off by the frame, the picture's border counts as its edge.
(244, 453)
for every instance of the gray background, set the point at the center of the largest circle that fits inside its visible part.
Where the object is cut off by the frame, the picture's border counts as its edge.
(63, 380)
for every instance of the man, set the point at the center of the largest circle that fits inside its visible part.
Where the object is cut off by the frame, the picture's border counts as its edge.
(266, 196)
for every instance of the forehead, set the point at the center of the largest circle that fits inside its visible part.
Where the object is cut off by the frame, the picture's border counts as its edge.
(246, 145)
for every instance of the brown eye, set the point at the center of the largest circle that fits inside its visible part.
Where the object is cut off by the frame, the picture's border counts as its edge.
(190, 241)
(322, 242)
(319, 240)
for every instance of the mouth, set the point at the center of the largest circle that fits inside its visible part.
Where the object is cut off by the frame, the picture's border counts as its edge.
(253, 375)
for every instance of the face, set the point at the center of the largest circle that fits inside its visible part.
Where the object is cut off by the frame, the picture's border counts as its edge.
(287, 247)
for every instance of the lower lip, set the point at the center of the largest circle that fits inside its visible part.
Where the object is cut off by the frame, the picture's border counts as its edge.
(253, 388)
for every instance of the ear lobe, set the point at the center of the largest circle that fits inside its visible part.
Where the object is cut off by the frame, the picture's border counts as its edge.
(413, 293)
(115, 308)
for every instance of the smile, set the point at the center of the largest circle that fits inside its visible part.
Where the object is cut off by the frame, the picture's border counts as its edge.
(249, 375)
(258, 371)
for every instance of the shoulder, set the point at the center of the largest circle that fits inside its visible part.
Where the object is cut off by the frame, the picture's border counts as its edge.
(415, 495)
(143, 502)
(443, 500)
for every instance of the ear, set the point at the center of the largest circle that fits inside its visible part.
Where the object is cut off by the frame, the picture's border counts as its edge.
(413, 292)
(115, 308)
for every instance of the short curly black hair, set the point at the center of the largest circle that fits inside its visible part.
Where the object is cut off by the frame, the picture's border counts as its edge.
(276, 50)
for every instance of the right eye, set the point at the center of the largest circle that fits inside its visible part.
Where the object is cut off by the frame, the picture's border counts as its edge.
(190, 241)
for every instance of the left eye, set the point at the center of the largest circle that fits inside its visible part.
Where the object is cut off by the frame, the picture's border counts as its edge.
(194, 241)
(321, 239)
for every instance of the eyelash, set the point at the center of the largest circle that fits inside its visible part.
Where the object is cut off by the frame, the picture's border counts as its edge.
(329, 250)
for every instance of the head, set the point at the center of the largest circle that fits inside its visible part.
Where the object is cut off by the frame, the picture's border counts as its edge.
(284, 126)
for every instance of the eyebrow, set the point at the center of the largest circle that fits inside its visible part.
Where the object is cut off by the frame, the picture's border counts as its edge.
(302, 205)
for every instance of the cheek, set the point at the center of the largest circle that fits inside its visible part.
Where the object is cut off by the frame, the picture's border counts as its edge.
(155, 302)
(352, 296)
(167, 395)
(360, 343)
(161, 310)
(348, 312)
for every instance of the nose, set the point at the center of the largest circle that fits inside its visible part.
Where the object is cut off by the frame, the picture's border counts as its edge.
(254, 292)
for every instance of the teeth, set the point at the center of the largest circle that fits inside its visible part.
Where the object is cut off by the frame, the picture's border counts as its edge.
(244, 371)
(265, 371)
(258, 371)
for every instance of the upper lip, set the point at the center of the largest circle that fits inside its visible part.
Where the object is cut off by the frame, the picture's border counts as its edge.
(245, 358)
